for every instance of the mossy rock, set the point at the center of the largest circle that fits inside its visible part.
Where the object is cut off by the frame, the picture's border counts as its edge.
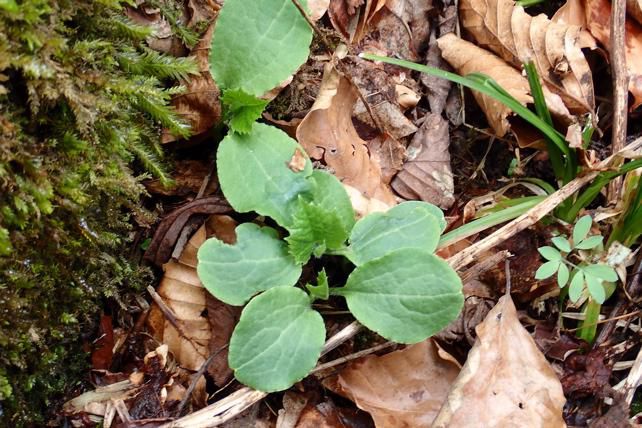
(82, 104)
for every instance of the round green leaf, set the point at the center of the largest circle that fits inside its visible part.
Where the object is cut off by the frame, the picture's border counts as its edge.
(576, 287)
(562, 243)
(258, 44)
(258, 261)
(562, 275)
(550, 253)
(254, 174)
(277, 340)
(595, 288)
(548, 269)
(407, 225)
(581, 229)
(405, 296)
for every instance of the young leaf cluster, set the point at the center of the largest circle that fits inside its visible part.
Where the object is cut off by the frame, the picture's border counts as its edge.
(585, 277)
(399, 288)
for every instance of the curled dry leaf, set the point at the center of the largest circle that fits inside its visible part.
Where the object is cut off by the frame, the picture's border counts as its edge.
(327, 133)
(517, 37)
(596, 18)
(184, 294)
(427, 175)
(506, 380)
(403, 388)
(317, 8)
(467, 58)
(351, 17)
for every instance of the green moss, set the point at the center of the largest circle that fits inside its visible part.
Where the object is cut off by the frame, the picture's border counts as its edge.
(82, 103)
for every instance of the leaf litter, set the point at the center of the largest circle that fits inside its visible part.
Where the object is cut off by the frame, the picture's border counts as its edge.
(387, 135)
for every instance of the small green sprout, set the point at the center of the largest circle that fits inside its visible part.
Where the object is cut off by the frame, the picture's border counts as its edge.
(585, 276)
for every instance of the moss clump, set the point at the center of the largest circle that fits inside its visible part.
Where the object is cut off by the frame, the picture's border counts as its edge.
(82, 102)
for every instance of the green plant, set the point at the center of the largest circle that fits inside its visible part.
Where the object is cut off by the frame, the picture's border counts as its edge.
(580, 272)
(576, 262)
(399, 288)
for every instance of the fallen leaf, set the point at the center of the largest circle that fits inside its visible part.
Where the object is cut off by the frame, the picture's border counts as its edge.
(517, 37)
(199, 104)
(506, 380)
(363, 206)
(327, 133)
(169, 230)
(467, 58)
(415, 17)
(351, 17)
(426, 174)
(597, 21)
(102, 354)
(183, 293)
(318, 8)
(634, 9)
(404, 388)
(389, 154)
(293, 405)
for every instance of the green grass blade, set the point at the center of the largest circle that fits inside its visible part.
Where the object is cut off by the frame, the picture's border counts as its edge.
(489, 221)
(594, 189)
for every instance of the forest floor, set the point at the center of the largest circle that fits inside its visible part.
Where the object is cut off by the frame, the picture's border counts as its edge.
(532, 346)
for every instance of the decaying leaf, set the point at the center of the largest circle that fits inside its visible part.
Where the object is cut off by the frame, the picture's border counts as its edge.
(517, 37)
(199, 104)
(351, 17)
(594, 15)
(404, 388)
(506, 380)
(426, 174)
(327, 133)
(634, 9)
(467, 58)
(183, 293)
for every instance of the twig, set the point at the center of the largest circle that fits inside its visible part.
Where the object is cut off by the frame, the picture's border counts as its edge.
(196, 376)
(351, 357)
(167, 312)
(484, 265)
(620, 79)
(311, 23)
(633, 379)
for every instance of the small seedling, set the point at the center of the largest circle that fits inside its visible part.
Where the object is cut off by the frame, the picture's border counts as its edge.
(583, 275)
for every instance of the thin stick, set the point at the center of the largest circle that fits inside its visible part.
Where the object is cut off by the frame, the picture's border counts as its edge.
(620, 317)
(196, 376)
(351, 357)
(620, 79)
(167, 311)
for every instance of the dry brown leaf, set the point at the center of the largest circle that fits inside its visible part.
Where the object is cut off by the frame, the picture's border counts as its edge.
(403, 388)
(467, 58)
(415, 16)
(506, 381)
(518, 37)
(351, 17)
(184, 294)
(199, 104)
(327, 133)
(426, 175)
(596, 19)
(634, 9)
